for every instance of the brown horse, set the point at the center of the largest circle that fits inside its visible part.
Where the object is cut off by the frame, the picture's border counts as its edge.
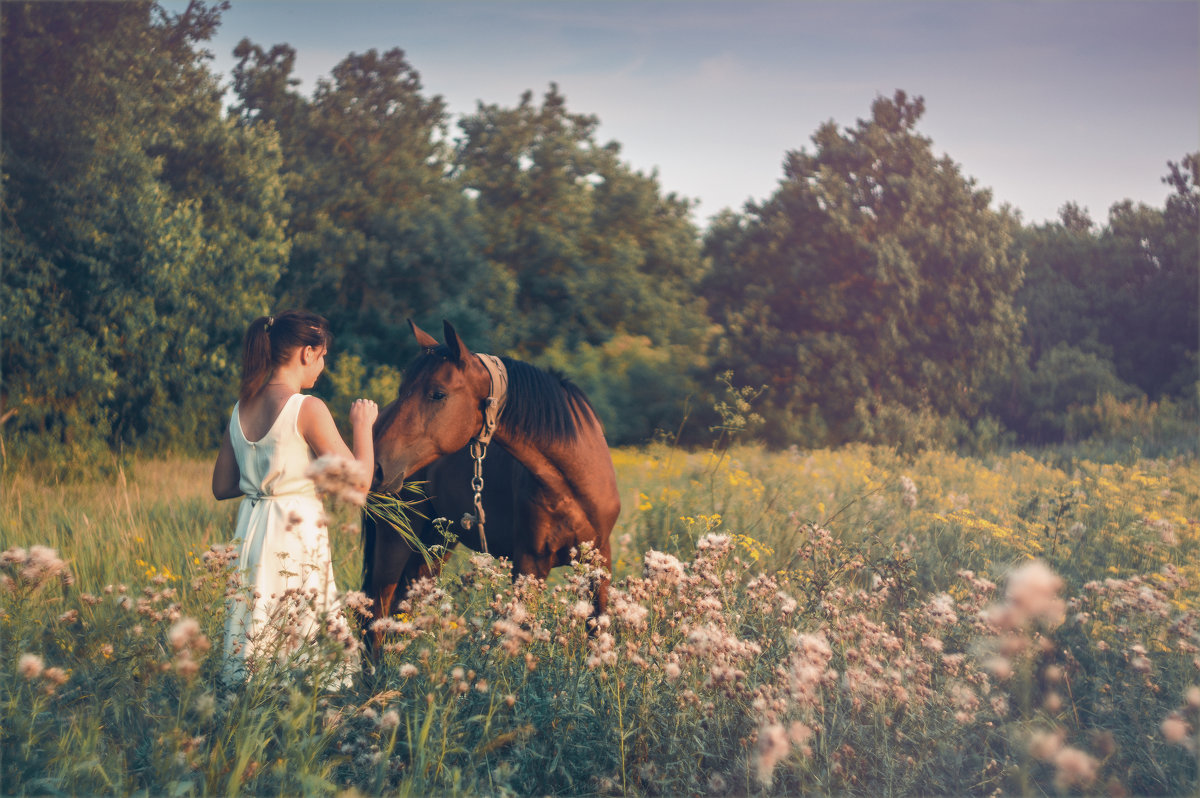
(390, 564)
(561, 492)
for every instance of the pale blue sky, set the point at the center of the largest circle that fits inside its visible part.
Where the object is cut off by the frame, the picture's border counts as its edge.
(1042, 102)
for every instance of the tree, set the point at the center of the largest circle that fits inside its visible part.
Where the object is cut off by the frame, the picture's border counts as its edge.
(875, 279)
(379, 232)
(594, 248)
(1152, 281)
(1061, 293)
(127, 197)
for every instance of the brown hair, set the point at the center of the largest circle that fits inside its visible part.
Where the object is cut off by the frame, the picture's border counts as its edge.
(270, 341)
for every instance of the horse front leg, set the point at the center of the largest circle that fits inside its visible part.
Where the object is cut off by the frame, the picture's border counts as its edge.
(528, 563)
(381, 607)
(387, 558)
(600, 587)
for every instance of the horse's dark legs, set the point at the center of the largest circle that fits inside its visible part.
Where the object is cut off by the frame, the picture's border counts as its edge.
(600, 595)
(386, 559)
(527, 563)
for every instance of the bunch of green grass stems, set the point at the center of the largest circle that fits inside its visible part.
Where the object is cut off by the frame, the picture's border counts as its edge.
(397, 512)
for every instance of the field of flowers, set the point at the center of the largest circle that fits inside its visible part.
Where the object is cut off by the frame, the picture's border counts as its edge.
(846, 622)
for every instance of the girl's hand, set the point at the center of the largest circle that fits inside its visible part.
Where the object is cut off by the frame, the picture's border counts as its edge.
(363, 411)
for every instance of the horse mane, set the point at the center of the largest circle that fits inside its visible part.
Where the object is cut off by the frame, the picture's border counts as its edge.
(542, 405)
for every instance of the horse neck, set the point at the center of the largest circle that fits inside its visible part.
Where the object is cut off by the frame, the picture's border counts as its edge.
(581, 467)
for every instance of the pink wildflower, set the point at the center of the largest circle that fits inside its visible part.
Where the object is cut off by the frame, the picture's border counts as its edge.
(661, 567)
(1074, 768)
(1033, 593)
(30, 666)
(773, 746)
(1175, 729)
(340, 479)
(1045, 745)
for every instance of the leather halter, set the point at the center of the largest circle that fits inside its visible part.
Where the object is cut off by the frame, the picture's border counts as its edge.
(493, 406)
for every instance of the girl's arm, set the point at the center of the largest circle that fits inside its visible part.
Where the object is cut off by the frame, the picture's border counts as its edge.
(226, 478)
(318, 429)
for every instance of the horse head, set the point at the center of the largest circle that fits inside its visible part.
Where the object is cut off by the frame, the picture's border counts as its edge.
(440, 406)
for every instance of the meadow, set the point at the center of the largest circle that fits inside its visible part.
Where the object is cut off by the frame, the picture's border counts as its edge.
(834, 622)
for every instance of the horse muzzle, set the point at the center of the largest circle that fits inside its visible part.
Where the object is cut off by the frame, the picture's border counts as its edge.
(385, 484)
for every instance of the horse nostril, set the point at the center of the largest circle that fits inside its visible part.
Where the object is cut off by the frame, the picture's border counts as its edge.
(377, 477)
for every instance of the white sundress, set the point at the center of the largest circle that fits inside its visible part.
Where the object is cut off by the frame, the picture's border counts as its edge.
(283, 552)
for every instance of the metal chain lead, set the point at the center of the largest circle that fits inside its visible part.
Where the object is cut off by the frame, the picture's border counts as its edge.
(478, 452)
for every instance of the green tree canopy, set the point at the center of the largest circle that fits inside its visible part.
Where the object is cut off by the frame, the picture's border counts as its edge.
(379, 231)
(1125, 293)
(875, 278)
(1151, 283)
(594, 247)
(141, 226)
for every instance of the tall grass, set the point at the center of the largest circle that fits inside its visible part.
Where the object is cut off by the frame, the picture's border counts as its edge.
(841, 621)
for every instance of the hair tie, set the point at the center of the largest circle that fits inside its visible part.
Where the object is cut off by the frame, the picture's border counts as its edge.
(270, 321)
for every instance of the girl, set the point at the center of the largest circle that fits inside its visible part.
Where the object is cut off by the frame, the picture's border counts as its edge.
(274, 434)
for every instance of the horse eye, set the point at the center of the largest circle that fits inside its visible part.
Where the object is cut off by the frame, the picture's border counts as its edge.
(437, 395)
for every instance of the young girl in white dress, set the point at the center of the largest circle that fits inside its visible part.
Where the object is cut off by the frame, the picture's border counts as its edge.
(274, 435)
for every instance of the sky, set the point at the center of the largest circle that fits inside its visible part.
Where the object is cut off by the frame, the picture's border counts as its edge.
(1040, 102)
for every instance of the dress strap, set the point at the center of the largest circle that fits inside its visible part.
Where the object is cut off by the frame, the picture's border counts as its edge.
(293, 408)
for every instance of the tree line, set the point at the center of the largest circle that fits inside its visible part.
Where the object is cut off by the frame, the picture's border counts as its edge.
(877, 295)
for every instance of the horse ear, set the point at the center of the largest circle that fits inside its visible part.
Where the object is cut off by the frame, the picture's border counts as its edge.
(458, 350)
(426, 340)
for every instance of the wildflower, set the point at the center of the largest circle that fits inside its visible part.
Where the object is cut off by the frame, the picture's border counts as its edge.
(800, 734)
(772, 746)
(186, 666)
(357, 601)
(206, 705)
(41, 564)
(659, 566)
(940, 610)
(1175, 729)
(56, 676)
(1044, 745)
(389, 720)
(30, 666)
(408, 670)
(1193, 697)
(1034, 588)
(340, 479)
(1074, 768)
(1000, 667)
(908, 490)
(186, 634)
(630, 613)
(14, 556)
(510, 699)
(718, 543)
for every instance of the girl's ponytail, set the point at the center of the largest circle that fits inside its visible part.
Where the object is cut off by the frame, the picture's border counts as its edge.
(256, 357)
(270, 341)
